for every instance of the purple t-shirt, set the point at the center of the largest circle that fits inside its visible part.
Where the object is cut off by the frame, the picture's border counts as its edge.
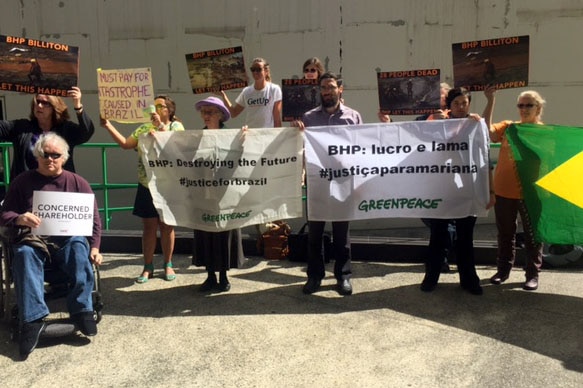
(19, 197)
(343, 116)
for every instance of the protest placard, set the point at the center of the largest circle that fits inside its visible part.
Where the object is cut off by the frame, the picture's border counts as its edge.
(37, 67)
(125, 94)
(214, 70)
(501, 62)
(409, 92)
(63, 214)
(298, 97)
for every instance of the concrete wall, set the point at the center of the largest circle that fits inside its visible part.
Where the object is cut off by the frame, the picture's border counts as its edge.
(354, 37)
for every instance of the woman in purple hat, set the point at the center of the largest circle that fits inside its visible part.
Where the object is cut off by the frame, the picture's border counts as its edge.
(216, 251)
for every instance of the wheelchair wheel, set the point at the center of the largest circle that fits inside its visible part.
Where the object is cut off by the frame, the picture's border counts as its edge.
(14, 329)
(2, 295)
(96, 295)
(4, 284)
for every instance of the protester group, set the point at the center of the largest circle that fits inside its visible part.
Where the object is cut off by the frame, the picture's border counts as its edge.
(43, 161)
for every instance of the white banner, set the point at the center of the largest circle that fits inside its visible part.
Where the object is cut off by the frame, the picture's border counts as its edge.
(432, 169)
(63, 214)
(219, 179)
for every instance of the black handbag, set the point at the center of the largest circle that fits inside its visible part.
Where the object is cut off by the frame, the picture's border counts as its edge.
(298, 245)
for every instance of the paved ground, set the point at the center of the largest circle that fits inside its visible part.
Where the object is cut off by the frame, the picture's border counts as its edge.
(266, 333)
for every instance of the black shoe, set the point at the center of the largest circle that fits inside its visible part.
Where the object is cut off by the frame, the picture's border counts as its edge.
(445, 267)
(427, 286)
(29, 336)
(344, 287)
(429, 283)
(474, 289)
(86, 323)
(208, 284)
(499, 277)
(224, 285)
(311, 286)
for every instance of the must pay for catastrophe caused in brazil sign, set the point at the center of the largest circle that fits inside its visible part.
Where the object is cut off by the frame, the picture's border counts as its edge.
(125, 95)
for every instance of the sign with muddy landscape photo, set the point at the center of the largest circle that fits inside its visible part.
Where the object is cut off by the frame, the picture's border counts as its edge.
(501, 62)
(215, 70)
(37, 67)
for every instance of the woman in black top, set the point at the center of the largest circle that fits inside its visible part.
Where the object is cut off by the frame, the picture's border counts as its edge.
(47, 114)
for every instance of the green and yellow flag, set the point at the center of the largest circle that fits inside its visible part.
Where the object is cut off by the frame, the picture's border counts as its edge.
(549, 160)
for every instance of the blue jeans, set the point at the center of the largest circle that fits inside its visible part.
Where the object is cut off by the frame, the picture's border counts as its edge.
(28, 271)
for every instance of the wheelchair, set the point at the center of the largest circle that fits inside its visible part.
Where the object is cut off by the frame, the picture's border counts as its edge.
(56, 289)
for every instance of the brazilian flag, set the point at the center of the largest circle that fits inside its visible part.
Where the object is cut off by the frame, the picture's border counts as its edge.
(549, 160)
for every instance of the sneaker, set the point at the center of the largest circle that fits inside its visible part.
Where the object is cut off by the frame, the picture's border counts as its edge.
(531, 284)
(86, 323)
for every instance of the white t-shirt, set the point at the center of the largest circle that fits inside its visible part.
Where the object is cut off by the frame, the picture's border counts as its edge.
(259, 105)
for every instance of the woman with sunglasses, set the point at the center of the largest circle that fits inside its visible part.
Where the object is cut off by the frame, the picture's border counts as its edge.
(313, 68)
(47, 114)
(162, 119)
(509, 200)
(262, 100)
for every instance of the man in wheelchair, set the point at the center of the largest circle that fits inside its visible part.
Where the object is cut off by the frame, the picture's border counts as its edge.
(74, 255)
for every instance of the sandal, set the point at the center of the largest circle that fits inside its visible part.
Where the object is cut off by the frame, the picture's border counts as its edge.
(168, 276)
(149, 270)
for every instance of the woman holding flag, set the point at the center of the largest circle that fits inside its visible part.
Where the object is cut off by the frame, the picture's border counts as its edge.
(509, 198)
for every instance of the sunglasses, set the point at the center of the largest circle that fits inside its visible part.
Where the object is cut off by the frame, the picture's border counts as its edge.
(43, 103)
(523, 106)
(256, 69)
(310, 70)
(51, 155)
(209, 112)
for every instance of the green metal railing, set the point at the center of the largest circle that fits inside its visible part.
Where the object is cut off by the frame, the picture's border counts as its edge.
(105, 186)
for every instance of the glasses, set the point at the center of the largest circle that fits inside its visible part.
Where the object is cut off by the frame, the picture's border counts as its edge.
(209, 112)
(51, 155)
(256, 69)
(310, 70)
(43, 103)
(160, 106)
(525, 106)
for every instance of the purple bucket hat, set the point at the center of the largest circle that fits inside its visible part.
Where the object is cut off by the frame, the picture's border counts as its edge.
(214, 101)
